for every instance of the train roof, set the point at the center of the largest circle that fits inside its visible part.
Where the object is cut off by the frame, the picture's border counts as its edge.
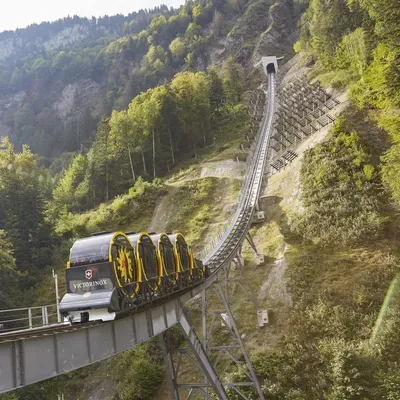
(158, 236)
(137, 237)
(94, 248)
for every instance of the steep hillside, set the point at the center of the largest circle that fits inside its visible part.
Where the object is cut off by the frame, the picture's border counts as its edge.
(164, 160)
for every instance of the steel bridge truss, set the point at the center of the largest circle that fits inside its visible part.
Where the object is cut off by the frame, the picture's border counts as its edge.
(219, 350)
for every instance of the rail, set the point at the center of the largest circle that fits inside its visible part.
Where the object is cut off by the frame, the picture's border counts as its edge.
(20, 350)
(241, 220)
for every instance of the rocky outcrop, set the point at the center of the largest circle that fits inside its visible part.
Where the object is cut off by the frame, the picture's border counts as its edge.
(263, 29)
(8, 105)
(85, 92)
(6, 48)
(66, 37)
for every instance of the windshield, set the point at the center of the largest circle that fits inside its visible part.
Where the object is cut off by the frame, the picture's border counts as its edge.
(90, 250)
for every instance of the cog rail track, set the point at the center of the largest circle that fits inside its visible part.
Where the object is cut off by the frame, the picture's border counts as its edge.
(241, 221)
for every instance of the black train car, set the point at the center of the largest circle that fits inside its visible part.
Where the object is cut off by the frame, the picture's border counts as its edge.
(98, 266)
(112, 272)
(190, 268)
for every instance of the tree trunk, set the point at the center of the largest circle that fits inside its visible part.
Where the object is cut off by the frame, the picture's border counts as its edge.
(154, 155)
(107, 181)
(130, 161)
(172, 148)
(204, 133)
(144, 164)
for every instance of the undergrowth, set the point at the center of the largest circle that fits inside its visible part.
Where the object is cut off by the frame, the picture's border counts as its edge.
(340, 192)
(132, 211)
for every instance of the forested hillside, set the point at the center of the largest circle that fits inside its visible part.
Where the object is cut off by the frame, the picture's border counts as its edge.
(340, 230)
(112, 108)
(58, 79)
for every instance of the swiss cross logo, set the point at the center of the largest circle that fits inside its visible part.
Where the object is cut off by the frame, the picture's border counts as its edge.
(88, 274)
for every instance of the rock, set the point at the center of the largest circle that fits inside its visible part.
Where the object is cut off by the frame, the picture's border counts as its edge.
(6, 48)
(66, 36)
(63, 38)
(85, 91)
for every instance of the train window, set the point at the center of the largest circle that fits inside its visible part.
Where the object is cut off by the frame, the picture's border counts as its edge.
(134, 272)
(167, 251)
(90, 278)
(182, 248)
(147, 253)
(90, 250)
(121, 241)
(114, 252)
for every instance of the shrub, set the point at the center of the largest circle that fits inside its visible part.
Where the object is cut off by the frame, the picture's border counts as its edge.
(340, 192)
(138, 372)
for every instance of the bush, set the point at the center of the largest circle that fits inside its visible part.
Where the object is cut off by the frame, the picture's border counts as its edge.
(138, 372)
(135, 207)
(340, 192)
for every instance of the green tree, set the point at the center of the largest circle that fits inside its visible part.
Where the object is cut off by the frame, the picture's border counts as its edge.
(73, 189)
(193, 106)
(99, 163)
(9, 275)
(352, 52)
(233, 80)
(217, 25)
(23, 188)
(178, 49)
(216, 90)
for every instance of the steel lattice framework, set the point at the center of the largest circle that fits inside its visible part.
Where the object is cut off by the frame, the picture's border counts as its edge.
(61, 348)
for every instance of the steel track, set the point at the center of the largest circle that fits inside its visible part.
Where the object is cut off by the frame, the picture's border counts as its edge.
(228, 246)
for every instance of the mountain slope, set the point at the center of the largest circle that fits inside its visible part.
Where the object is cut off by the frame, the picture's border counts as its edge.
(57, 79)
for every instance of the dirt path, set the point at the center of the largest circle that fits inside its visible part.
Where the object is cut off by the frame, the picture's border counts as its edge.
(274, 287)
(162, 211)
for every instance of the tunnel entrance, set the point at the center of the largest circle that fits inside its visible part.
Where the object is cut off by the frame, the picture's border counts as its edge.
(271, 68)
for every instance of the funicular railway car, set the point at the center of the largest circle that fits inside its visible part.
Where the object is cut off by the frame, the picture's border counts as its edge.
(150, 269)
(190, 268)
(108, 273)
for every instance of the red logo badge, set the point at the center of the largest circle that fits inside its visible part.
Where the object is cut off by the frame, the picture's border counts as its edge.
(88, 274)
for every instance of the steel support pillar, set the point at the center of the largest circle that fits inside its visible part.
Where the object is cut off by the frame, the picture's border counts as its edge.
(196, 356)
(169, 365)
(236, 334)
(202, 358)
(238, 260)
(214, 361)
(250, 241)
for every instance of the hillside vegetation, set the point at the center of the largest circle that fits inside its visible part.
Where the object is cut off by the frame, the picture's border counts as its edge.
(339, 339)
(356, 43)
(331, 237)
(339, 222)
(58, 79)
